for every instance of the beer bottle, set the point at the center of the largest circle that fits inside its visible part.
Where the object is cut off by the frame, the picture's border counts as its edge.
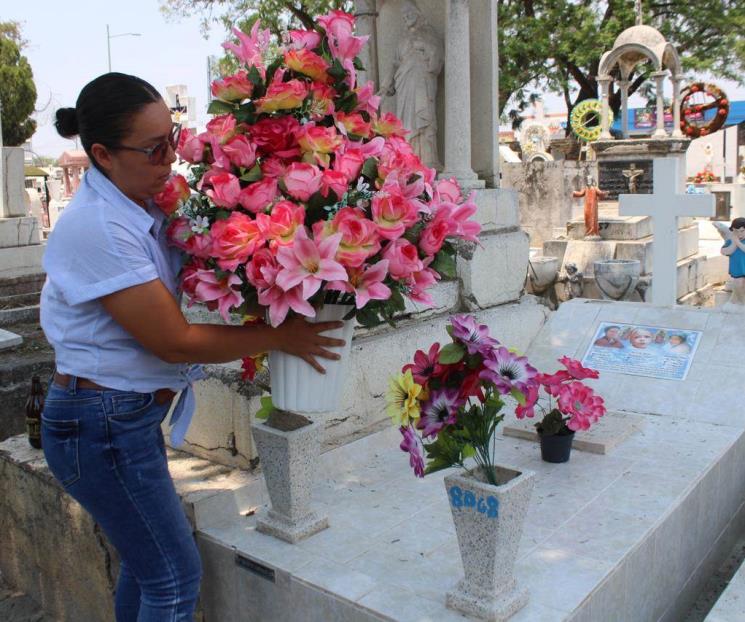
(34, 406)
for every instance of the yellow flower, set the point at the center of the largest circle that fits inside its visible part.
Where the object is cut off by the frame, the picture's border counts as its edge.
(403, 405)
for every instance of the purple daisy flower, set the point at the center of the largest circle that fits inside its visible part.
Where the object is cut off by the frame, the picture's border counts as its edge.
(472, 335)
(414, 446)
(509, 371)
(439, 410)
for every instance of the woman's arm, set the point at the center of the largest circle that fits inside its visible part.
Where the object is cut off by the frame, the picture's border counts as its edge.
(152, 316)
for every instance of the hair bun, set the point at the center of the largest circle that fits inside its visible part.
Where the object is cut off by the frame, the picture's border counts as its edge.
(67, 122)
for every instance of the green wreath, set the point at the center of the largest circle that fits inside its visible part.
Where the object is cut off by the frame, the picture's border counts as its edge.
(585, 113)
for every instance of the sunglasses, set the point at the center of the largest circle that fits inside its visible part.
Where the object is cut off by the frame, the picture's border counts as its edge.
(157, 153)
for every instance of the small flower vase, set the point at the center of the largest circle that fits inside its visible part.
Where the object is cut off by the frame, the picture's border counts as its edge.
(489, 523)
(297, 387)
(288, 457)
(556, 448)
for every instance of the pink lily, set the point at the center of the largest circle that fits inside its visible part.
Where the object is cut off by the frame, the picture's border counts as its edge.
(365, 283)
(310, 263)
(280, 301)
(250, 49)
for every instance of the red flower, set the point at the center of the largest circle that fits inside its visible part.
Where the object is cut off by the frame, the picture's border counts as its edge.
(275, 136)
(577, 371)
(425, 365)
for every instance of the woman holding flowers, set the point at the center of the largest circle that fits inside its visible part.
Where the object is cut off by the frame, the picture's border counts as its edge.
(110, 308)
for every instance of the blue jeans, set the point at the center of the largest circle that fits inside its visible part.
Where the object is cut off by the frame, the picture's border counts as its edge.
(106, 449)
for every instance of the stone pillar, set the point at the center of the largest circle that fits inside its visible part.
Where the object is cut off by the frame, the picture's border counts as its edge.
(12, 203)
(604, 107)
(366, 13)
(66, 176)
(677, 132)
(458, 95)
(659, 80)
(485, 90)
(624, 86)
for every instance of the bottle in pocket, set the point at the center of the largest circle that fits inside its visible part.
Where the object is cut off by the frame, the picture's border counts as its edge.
(34, 407)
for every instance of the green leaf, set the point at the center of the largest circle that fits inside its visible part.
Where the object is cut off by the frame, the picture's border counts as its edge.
(452, 353)
(519, 396)
(336, 70)
(222, 214)
(370, 169)
(445, 265)
(266, 407)
(469, 451)
(255, 77)
(368, 318)
(252, 175)
(358, 64)
(220, 107)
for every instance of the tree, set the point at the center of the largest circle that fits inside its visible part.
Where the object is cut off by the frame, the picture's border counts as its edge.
(568, 37)
(17, 89)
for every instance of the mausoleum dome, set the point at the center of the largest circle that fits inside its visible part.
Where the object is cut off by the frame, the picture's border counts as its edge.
(640, 34)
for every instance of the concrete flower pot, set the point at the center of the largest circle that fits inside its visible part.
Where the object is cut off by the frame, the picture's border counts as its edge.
(489, 524)
(289, 460)
(297, 387)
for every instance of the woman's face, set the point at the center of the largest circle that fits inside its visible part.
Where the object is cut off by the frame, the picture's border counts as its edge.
(612, 333)
(132, 171)
(640, 338)
(740, 233)
(675, 340)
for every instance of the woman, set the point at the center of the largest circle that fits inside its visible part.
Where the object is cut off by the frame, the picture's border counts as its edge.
(110, 308)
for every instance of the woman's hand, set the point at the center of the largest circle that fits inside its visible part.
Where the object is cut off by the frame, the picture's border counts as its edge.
(300, 338)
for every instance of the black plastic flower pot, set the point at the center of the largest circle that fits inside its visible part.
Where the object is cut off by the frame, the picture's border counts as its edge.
(556, 447)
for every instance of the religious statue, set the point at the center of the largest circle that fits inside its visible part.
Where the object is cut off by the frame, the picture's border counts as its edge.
(574, 282)
(413, 80)
(734, 248)
(631, 174)
(591, 193)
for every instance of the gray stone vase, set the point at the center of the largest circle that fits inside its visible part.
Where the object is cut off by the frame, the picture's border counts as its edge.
(289, 462)
(489, 524)
(617, 278)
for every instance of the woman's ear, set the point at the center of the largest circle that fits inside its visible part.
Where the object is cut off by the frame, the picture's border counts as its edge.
(102, 155)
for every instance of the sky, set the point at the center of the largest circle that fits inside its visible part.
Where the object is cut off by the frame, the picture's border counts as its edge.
(67, 49)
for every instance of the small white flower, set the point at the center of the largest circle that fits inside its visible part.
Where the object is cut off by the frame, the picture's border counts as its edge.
(362, 185)
(200, 224)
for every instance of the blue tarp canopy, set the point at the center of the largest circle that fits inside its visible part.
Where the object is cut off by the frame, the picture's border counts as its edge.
(643, 120)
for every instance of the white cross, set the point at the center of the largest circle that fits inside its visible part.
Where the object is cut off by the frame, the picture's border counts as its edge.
(665, 206)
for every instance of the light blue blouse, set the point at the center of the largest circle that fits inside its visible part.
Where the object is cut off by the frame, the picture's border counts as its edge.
(103, 243)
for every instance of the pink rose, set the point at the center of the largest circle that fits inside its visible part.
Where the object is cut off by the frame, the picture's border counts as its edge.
(225, 190)
(447, 190)
(302, 180)
(284, 221)
(179, 231)
(275, 136)
(353, 124)
(350, 163)
(222, 126)
(233, 88)
(241, 151)
(282, 96)
(434, 234)
(335, 181)
(273, 167)
(256, 197)
(190, 148)
(403, 259)
(262, 269)
(367, 100)
(235, 239)
(175, 193)
(393, 213)
(359, 237)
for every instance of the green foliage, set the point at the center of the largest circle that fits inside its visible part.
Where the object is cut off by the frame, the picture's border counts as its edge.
(551, 424)
(558, 43)
(17, 89)
(452, 353)
(266, 407)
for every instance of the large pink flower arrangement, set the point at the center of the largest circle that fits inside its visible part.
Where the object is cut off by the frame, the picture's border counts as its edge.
(306, 194)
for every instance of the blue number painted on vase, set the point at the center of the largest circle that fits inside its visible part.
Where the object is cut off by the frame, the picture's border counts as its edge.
(493, 507)
(455, 497)
(481, 506)
(469, 500)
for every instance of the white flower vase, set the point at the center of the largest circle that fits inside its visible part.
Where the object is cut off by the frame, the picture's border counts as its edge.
(297, 387)
(489, 523)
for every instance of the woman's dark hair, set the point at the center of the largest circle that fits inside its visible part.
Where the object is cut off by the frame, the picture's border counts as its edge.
(737, 223)
(104, 110)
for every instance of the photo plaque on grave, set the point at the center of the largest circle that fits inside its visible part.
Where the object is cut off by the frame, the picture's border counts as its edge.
(613, 181)
(641, 350)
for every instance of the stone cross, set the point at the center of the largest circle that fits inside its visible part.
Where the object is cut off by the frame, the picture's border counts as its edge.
(665, 206)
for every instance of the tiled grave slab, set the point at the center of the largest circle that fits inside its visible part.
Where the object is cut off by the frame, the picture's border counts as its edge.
(627, 536)
(9, 340)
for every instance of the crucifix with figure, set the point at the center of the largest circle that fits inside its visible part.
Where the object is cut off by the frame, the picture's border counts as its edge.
(665, 206)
